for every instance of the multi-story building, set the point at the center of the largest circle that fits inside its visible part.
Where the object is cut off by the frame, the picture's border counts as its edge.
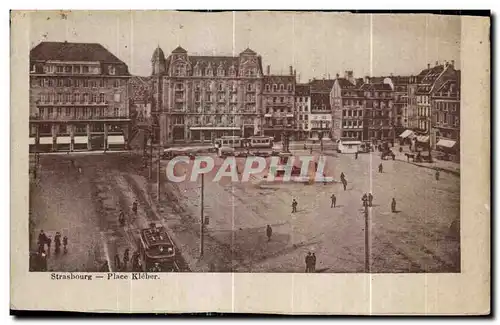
(303, 110)
(278, 105)
(432, 79)
(378, 109)
(347, 103)
(140, 99)
(445, 101)
(400, 104)
(78, 97)
(200, 98)
(321, 109)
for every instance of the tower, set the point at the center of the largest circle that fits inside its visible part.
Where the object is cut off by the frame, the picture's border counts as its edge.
(158, 62)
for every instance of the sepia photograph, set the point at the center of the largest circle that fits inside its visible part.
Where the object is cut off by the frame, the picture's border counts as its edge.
(111, 113)
(272, 143)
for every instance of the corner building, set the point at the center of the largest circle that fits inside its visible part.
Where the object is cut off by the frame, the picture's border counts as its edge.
(200, 98)
(78, 98)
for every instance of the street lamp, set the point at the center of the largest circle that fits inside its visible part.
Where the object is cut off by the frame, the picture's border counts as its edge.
(367, 235)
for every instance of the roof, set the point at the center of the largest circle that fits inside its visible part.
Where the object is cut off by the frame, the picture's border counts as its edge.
(346, 84)
(449, 87)
(302, 90)
(321, 85)
(156, 236)
(215, 62)
(278, 79)
(430, 75)
(179, 49)
(376, 87)
(158, 55)
(66, 51)
(248, 51)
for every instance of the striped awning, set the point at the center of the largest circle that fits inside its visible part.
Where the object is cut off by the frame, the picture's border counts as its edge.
(81, 139)
(406, 134)
(446, 143)
(116, 139)
(63, 140)
(45, 140)
(423, 138)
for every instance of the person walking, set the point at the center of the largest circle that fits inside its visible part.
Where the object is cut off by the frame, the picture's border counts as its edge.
(104, 267)
(393, 205)
(308, 262)
(126, 258)
(344, 183)
(380, 168)
(121, 218)
(49, 243)
(57, 242)
(356, 155)
(269, 232)
(364, 200)
(370, 199)
(42, 239)
(118, 263)
(65, 244)
(294, 206)
(334, 201)
(313, 263)
(134, 207)
(437, 175)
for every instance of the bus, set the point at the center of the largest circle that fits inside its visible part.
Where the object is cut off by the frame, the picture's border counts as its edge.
(260, 142)
(229, 141)
(156, 246)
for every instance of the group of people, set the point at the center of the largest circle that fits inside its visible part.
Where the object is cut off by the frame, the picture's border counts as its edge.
(310, 262)
(121, 215)
(122, 265)
(43, 240)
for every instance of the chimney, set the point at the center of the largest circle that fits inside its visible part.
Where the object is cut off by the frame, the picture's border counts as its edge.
(291, 71)
(366, 79)
(428, 65)
(453, 63)
(349, 76)
(294, 72)
(337, 76)
(328, 76)
(437, 63)
(268, 70)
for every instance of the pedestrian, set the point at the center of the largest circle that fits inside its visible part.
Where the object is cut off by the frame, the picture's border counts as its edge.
(370, 199)
(126, 258)
(324, 179)
(356, 155)
(294, 206)
(305, 147)
(105, 267)
(334, 201)
(121, 218)
(311, 150)
(65, 244)
(308, 262)
(134, 207)
(364, 200)
(393, 205)
(57, 242)
(344, 183)
(400, 149)
(313, 263)
(269, 232)
(43, 261)
(42, 239)
(118, 263)
(342, 176)
(437, 175)
(380, 168)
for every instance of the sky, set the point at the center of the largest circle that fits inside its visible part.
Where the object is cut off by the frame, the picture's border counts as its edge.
(317, 44)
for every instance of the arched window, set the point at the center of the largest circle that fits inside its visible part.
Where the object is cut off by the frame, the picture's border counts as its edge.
(232, 71)
(249, 87)
(282, 87)
(275, 88)
(220, 71)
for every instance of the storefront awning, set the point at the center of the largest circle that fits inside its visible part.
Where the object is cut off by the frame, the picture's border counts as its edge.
(446, 143)
(116, 139)
(32, 141)
(423, 138)
(81, 140)
(63, 140)
(45, 140)
(406, 134)
(214, 128)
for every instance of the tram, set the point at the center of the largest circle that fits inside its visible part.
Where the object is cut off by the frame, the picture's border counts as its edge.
(156, 249)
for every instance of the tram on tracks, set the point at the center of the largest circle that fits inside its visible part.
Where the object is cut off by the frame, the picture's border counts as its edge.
(157, 250)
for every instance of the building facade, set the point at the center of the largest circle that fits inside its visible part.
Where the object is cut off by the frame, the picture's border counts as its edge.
(200, 98)
(321, 109)
(303, 110)
(278, 105)
(78, 97)
(378, 110)
(347, 102)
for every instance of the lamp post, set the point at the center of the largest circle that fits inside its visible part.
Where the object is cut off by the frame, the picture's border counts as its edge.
(202, 221)
(367, 236)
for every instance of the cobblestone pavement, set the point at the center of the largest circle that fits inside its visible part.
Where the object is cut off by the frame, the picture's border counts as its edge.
(415, 239)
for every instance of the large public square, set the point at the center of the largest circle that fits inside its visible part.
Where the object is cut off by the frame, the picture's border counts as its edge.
(81, 195)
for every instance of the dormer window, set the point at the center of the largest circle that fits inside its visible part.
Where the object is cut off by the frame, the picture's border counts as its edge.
(282, 87)
(208, 71)
(179, 70)
(268, 87)
(232, 71)
(220, 87)
(249, 87)
(111, 70)
(289, 87)
(220, 71)
(275, 88)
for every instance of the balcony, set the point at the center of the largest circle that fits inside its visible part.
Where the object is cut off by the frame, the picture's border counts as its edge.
(65, 118)
(72, 103)
(278, 126)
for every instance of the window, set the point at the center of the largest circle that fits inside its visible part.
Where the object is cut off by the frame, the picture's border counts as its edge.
(220, 87)
(117, 98)
(60, 82)
(85, 69)
(282, 87)
(59, 111)
(94, 98)
(76, 69)
(457, 121)
(111, 70)
(41, 111)
(59, 69)
(85, 83)
(289, 87)
(232, 71)
(275, 88)
(116, 111)
(67, 69)
(220, 72)
(179, 70)
(77, 97)
(197, 71)
(268, 88)
(249, 87)
(86, 97)
(68, 111)
(208, 72)
(101, 98)
(116, 83)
